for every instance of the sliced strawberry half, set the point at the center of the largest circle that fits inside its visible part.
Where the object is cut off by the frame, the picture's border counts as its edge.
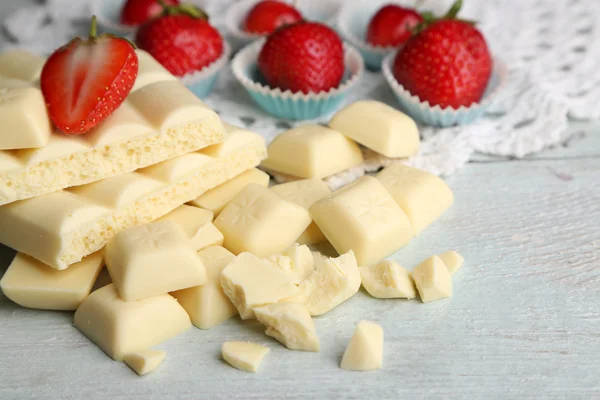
(84, 81)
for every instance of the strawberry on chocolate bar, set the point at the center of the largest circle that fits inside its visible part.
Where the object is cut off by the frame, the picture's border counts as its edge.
(84, 81)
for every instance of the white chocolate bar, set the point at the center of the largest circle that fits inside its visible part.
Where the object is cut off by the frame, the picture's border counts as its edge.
(260, 222)
(85, 218)
(24, 121)
(423, 196)
(149, 260)
(363, 217)
(388, 280)
(365, 350)
(245, 356)
(297, 262)
(334, 281)
(122, 327)
(216, 199)
(378, 127)
(251, 282)
(453, 260)
(433, 279)
(20, 64)
(32, 284)
(305, 193)
(145, 361)
(290, 324)
(150, 71)
(158, 121)
(207, 305)
(312, 151)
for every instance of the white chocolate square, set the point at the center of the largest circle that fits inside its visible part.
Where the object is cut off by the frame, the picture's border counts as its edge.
(297, 262)
(290, 324)
(453, 260)
(125, 123)
(122, 327)
(305, 193)
(145, 361)
(312, 151)
(245, 356)
(207, 305)
(365, 350)
(149, 71)
(216, 199)
(363, 217)
(379, 127)
(260, 222)
(32, 284)
(197, 224)
(169, 105)
(250, 282)
(423, 196)
(388, 280)
(153, 259)
(207, 236)
(433, 279)
(119, 191)
(41, 230)
(334, 281)
(24, 121)
(236, 139)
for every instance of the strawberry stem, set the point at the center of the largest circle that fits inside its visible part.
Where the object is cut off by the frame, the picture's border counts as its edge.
(184, 8)
(454, 10)
(93, 28)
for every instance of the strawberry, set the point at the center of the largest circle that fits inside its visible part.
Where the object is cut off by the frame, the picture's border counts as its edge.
(136, 12)
(392, 25)
(447, 63)
(84, 81)
(181, 39)
(304, 57)
(268, 15)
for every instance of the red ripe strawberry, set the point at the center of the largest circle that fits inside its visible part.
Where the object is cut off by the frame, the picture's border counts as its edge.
(304, 57)
(447, 64)
(268, 15)
(84, 81)
(392, 25)
(181, 40)
(136, 12)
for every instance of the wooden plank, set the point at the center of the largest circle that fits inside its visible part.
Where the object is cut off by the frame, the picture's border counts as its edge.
(524, 321)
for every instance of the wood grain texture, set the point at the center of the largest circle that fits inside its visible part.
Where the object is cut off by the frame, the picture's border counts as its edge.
(524, 321)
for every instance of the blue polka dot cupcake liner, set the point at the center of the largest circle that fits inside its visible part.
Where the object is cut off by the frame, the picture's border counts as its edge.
(445, 117)
(294, 106)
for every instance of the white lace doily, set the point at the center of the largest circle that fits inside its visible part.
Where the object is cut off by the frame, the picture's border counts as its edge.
(551, 48)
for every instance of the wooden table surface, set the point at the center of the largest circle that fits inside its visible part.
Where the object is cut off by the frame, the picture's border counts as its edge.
(524, 321)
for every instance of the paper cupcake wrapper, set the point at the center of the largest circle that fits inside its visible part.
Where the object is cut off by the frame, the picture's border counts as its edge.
(445, 117)
(352, 24)
(288, 105)
(201, 82)
(108, 14)
(315, 10)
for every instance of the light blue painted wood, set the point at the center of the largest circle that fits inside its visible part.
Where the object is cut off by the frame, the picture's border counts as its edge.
(524, 321)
